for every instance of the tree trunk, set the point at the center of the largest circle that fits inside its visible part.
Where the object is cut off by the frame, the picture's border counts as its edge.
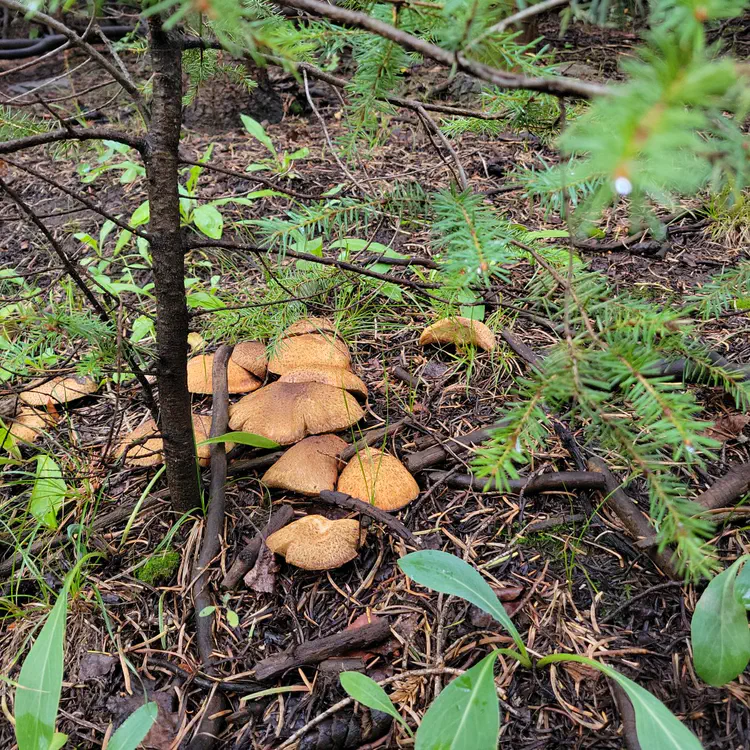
(169, 270)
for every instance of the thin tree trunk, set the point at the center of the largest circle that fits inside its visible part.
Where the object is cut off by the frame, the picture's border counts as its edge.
(169, 269)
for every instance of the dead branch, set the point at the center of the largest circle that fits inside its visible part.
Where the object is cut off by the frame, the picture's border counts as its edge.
(72, 134)
(725, 491)
(554, 481)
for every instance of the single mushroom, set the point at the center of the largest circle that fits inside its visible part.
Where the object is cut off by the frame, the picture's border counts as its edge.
(315, 543)
(149, 446)
(251, 355)
(309, 467)
(60, 390)
(29, 424)
(310, 325)
(308, 349)
(459, 331)
(378, 478)
(339, 377)
(200, 376)
(288, 412)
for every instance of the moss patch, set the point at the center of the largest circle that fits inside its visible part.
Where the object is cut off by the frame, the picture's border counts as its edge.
(159, 568)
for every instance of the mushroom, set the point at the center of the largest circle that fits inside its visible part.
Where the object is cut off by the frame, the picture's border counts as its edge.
(308, 349)
(309, 467)
(200, 376)
(60, 390)
(459, 331)
(252, 356)
(288, 412)
(29, 424)
(150, 452)
(378, 478)
(338, 377)
(310, 325)
(315, 543)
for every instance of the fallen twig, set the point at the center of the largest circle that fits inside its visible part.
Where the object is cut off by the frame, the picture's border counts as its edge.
(726, 490)
(561, 481)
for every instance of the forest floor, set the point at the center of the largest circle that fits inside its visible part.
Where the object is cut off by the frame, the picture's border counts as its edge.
(561, 561)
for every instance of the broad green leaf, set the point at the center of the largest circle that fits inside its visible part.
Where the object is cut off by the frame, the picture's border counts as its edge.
(48, 493)
(300, 153)
(132, 731)
(719, 632)
(657, 727)
(256, 131)
(546, 234)
(742, 586)
(58, 741)
(8, 442)
(466, 715)
(141, 215)
(470, 311)
(209, 220)
(449, 574)
(40, 681)
(233, 618)
(367, 692)
(247, 200)
(242, 438)
(143, 326)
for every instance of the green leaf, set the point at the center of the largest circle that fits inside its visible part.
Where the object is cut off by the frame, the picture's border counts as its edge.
(256, 131)
(472, 312)
(657, 727)
(209, 220)
(141, 215)
(143, 326)
(449, 574)
(48, 493)
(206, 611)
(232, 618)
(465, 716)
(719, 632)
(58, 741)
(242, 438)
(134, 729)
(742, 586)
(40, 681)
(367, 692)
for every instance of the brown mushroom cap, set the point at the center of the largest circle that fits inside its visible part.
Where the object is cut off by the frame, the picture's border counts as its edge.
(309, 467)
(29, 424)
(151, 452)
(310, 325)
(315, 543)
(308, 349)
(378, 478)
(252, 356)
(459, 331)
(200, 376)
(287, 412)
(60, 390)
(338, 377)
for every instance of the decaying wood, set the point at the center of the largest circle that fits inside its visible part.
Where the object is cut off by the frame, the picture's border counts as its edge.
(633, 518)
(313, 652)
(249, 553)
(561, 481)
(725, 491)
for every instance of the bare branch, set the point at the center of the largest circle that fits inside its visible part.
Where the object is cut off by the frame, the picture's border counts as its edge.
(72, 134)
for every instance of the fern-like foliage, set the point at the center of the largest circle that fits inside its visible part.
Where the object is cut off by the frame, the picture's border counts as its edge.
(201, 66)
(15, 124)
(728, 290)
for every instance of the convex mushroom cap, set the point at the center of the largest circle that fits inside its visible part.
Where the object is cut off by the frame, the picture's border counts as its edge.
(459, 331)
(288, 412)
(60, 390)
(309, 467)
(378, 478)
(200, 376)
(29, 424)
(339, 377)
(307, 349)
(251, 355)
(315, 543)
(310, 325)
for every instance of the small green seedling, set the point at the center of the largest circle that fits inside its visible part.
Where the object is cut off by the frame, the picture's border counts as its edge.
(280, 164)
(232, 617)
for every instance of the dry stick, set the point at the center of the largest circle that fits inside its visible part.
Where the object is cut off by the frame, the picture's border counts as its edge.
(72, 271)
(249, 553)
(726, 490)
(430, 124)
(209, 728)
(72, 134)
(75, 39)
(554, 481)
(633, 519)
(342, 500)
(315, 651)
(560, 86)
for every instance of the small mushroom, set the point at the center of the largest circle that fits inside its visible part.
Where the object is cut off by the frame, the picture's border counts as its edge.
(308, 349)
(310, 325)
(150, 452)
(459, 331)
(288, 412)
(309, 467)
(200, 376)
(339, 377)
(378, 478)
(29, 424)
(315, 543)
(60, 390)
(252, 356)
